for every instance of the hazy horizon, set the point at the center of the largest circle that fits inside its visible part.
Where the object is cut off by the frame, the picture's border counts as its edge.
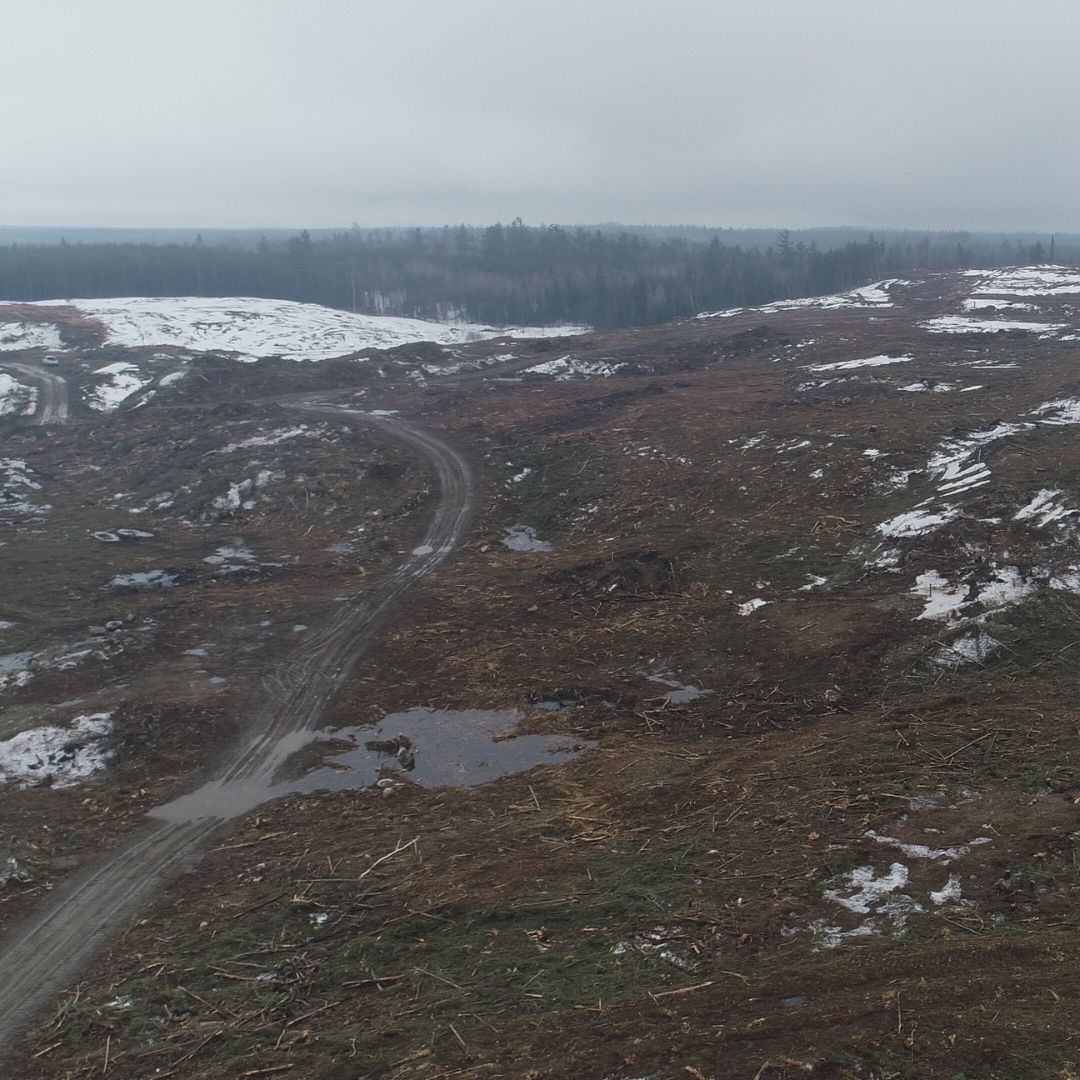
(294, 229)
(288, 114)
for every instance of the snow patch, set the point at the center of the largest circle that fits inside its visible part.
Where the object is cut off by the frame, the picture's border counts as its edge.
(16, 399)
(751, 606)
(23, 335)
(1044, 508)
(872, 296)
(869, 361)
(568, 367)
(922, 851)
(998, 305)
(16, 486)
(55, 755)
(1028, 281)
(973, 648)
(147, 579)
(958, 324)
(253, 327)
(994, 589)
(124, 380)
(917, 522)
(269, 438)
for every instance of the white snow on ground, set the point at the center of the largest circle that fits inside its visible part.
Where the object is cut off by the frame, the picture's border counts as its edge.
(878, 899)
(1044, 508)
(164, 500)
(872, 296)
(1001, 588)
(971, 648)
(15, 669)
(957, 324)
(123, 381)
(267, 438)
(60, 756)
(916, 522)
(871, 895)
(111, 537)
(942, 600)
(16, 399)
(567, 367)
(16, 486)
(148, 579)
(998, 305)
(255, 327)
(870, 361)
(750, 606)
(1062, 412)
(869, 888)
(23, 335)
(172, 378)
(950, 893)
(934, 388)
(1028, 281)
(240, 495)
(231, 557)
(956, 472)
(959, 478)
(19, 669)
(952, 457)
(922, 851)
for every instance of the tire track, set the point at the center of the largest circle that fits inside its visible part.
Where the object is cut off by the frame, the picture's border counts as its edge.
(53, 404)
(49, 950)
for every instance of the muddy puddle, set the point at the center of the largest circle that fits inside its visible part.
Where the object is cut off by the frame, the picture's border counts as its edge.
(430, 747)
(524, 538)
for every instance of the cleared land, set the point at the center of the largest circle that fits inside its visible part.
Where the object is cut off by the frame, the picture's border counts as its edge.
(798, 600)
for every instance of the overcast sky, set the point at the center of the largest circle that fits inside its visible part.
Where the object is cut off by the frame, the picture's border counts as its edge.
(951, 113)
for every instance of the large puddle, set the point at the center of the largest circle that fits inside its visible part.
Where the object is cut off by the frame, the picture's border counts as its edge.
(431, 747)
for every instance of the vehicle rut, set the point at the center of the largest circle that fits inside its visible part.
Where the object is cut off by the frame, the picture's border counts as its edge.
(50, 949)
(53, 403)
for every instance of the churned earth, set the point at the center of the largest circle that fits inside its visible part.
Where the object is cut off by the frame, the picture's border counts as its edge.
(723, 724)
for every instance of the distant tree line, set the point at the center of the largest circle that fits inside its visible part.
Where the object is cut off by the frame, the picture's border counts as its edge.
(506, 274)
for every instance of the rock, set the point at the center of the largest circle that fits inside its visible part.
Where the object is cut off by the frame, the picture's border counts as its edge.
(114, 624)
(97, 631)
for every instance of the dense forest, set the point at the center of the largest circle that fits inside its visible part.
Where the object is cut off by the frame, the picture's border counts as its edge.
(605, 276)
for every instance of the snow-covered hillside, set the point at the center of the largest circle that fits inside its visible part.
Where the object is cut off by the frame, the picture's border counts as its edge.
(254, 327)
(22, 335)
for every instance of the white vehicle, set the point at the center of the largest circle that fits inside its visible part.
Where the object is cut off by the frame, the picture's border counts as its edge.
(50, 361)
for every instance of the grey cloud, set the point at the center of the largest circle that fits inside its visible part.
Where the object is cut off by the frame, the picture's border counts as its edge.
(324, 112)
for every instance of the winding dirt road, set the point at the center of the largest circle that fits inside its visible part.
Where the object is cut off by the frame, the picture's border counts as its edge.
(47, 952)
(53, 402)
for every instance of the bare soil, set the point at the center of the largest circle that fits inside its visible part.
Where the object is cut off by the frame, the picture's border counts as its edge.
(662, 904)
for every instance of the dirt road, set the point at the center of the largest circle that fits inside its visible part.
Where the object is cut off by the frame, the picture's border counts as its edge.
(53, 402)
(46, 953)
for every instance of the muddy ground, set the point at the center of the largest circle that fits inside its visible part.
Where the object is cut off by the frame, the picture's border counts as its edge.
(792, 840)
